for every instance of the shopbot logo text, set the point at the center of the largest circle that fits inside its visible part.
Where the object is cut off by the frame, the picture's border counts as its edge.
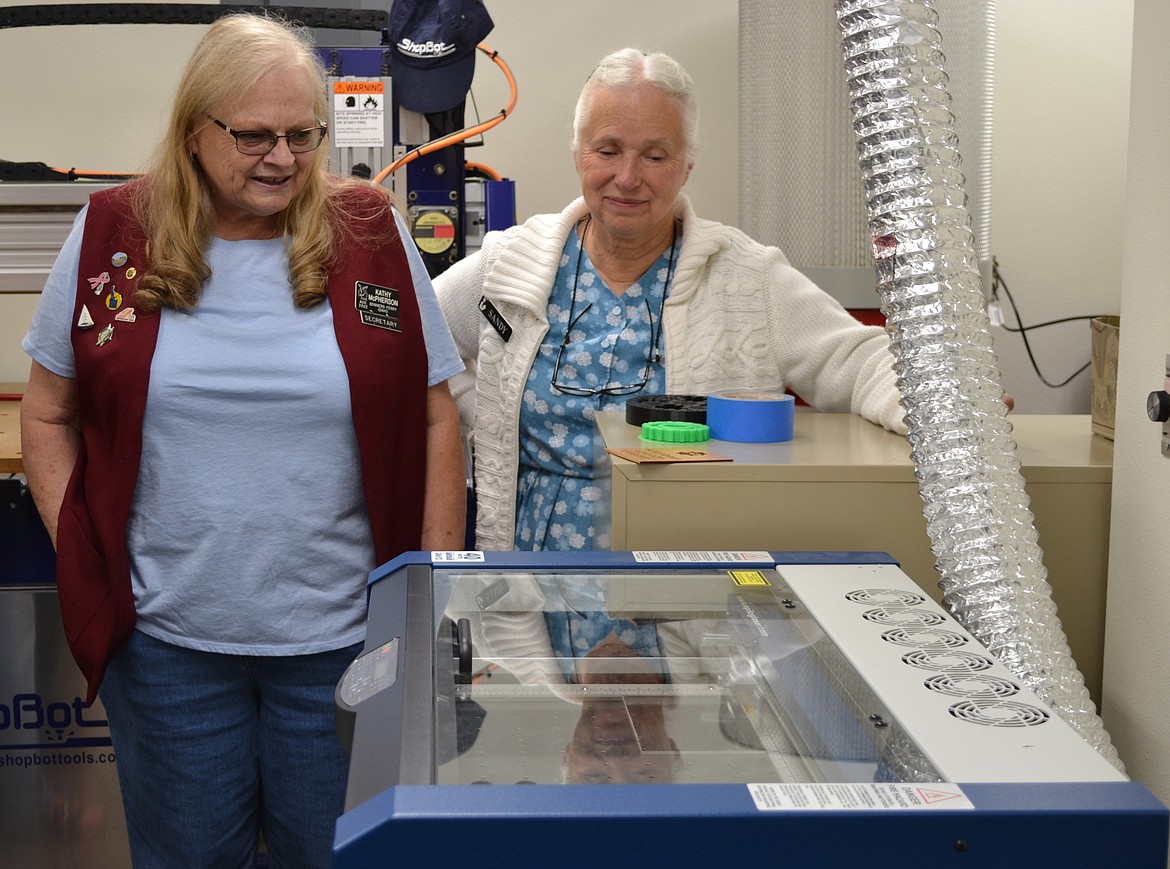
(57, 722)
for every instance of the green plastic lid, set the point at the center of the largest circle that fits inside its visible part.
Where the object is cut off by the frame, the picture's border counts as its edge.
(670, 431)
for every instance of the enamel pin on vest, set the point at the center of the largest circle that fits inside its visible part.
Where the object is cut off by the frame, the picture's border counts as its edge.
(99, 283)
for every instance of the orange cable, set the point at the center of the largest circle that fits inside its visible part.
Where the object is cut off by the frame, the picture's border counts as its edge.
(80, 173)
(483, 169)
(459, 135)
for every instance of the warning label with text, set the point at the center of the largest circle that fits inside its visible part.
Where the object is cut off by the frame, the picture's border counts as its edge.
(858, 797)
(359, 114)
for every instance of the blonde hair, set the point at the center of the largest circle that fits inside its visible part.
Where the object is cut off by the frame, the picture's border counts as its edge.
(174, 204)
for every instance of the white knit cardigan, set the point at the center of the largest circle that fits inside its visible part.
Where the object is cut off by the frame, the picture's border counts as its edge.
(738, 316)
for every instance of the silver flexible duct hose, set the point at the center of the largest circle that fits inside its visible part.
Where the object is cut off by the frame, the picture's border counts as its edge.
(980, 527)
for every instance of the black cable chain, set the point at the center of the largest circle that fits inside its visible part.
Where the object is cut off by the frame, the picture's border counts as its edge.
(185, 13)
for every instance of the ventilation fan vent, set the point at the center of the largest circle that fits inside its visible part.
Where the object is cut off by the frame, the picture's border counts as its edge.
(885, 597)
(947, 662)
(999, 713)
(924, 638)
(903, 617)
(980, 687)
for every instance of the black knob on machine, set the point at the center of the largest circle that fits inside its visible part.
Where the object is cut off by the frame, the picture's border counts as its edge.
(463, 647)
(1158, 406)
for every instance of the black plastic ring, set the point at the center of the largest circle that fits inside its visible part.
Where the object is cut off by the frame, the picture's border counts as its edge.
(657, 408)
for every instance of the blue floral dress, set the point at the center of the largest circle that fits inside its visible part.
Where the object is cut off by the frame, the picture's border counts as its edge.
(609, 347)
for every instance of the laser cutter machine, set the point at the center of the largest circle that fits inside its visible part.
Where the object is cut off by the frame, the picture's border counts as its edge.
(694, 708)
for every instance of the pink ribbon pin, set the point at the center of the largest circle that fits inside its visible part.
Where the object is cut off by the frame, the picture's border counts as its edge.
(99, 283)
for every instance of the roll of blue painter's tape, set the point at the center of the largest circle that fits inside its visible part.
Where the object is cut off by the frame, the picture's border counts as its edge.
(752, 416)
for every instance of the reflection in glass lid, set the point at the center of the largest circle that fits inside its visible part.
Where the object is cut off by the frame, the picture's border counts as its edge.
(712, 676)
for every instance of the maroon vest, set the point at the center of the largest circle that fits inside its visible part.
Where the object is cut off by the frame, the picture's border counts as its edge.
(387, 373)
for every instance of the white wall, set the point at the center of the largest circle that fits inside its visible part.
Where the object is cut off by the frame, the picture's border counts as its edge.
(1060, 121)
(1136, 700)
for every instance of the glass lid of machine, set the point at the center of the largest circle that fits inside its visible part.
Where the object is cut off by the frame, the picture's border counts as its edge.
(655, 676)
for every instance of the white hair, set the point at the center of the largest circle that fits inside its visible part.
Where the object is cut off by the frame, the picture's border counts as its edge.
(629, 67)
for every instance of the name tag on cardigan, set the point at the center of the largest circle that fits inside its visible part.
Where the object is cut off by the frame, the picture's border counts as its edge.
(495, 318)
(377, 306)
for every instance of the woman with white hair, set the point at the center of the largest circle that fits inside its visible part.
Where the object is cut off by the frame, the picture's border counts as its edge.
(628, 291)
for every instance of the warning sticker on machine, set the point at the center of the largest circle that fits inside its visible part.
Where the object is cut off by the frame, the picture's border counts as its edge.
(748, 578)
(855, 797)
(358, 114)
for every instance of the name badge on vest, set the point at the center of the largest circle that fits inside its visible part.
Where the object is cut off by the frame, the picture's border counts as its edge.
(495, 318)
(377, 306)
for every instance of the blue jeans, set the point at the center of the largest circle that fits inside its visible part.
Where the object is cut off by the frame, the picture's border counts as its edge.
(214, 748)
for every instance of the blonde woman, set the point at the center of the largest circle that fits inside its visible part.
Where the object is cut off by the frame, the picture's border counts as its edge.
(237, 408)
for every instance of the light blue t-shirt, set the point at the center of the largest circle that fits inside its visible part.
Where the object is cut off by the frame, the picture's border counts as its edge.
(248, 532)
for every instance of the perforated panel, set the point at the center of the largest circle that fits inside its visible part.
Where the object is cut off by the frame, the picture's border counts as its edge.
(799, 183)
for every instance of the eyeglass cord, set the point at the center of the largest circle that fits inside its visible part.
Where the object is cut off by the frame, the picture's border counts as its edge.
(653, 357)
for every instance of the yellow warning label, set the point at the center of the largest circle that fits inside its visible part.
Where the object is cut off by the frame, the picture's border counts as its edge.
(748, 577)
(434, 232)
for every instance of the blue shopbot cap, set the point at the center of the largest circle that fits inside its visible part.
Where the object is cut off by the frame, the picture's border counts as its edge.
(432, 51)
